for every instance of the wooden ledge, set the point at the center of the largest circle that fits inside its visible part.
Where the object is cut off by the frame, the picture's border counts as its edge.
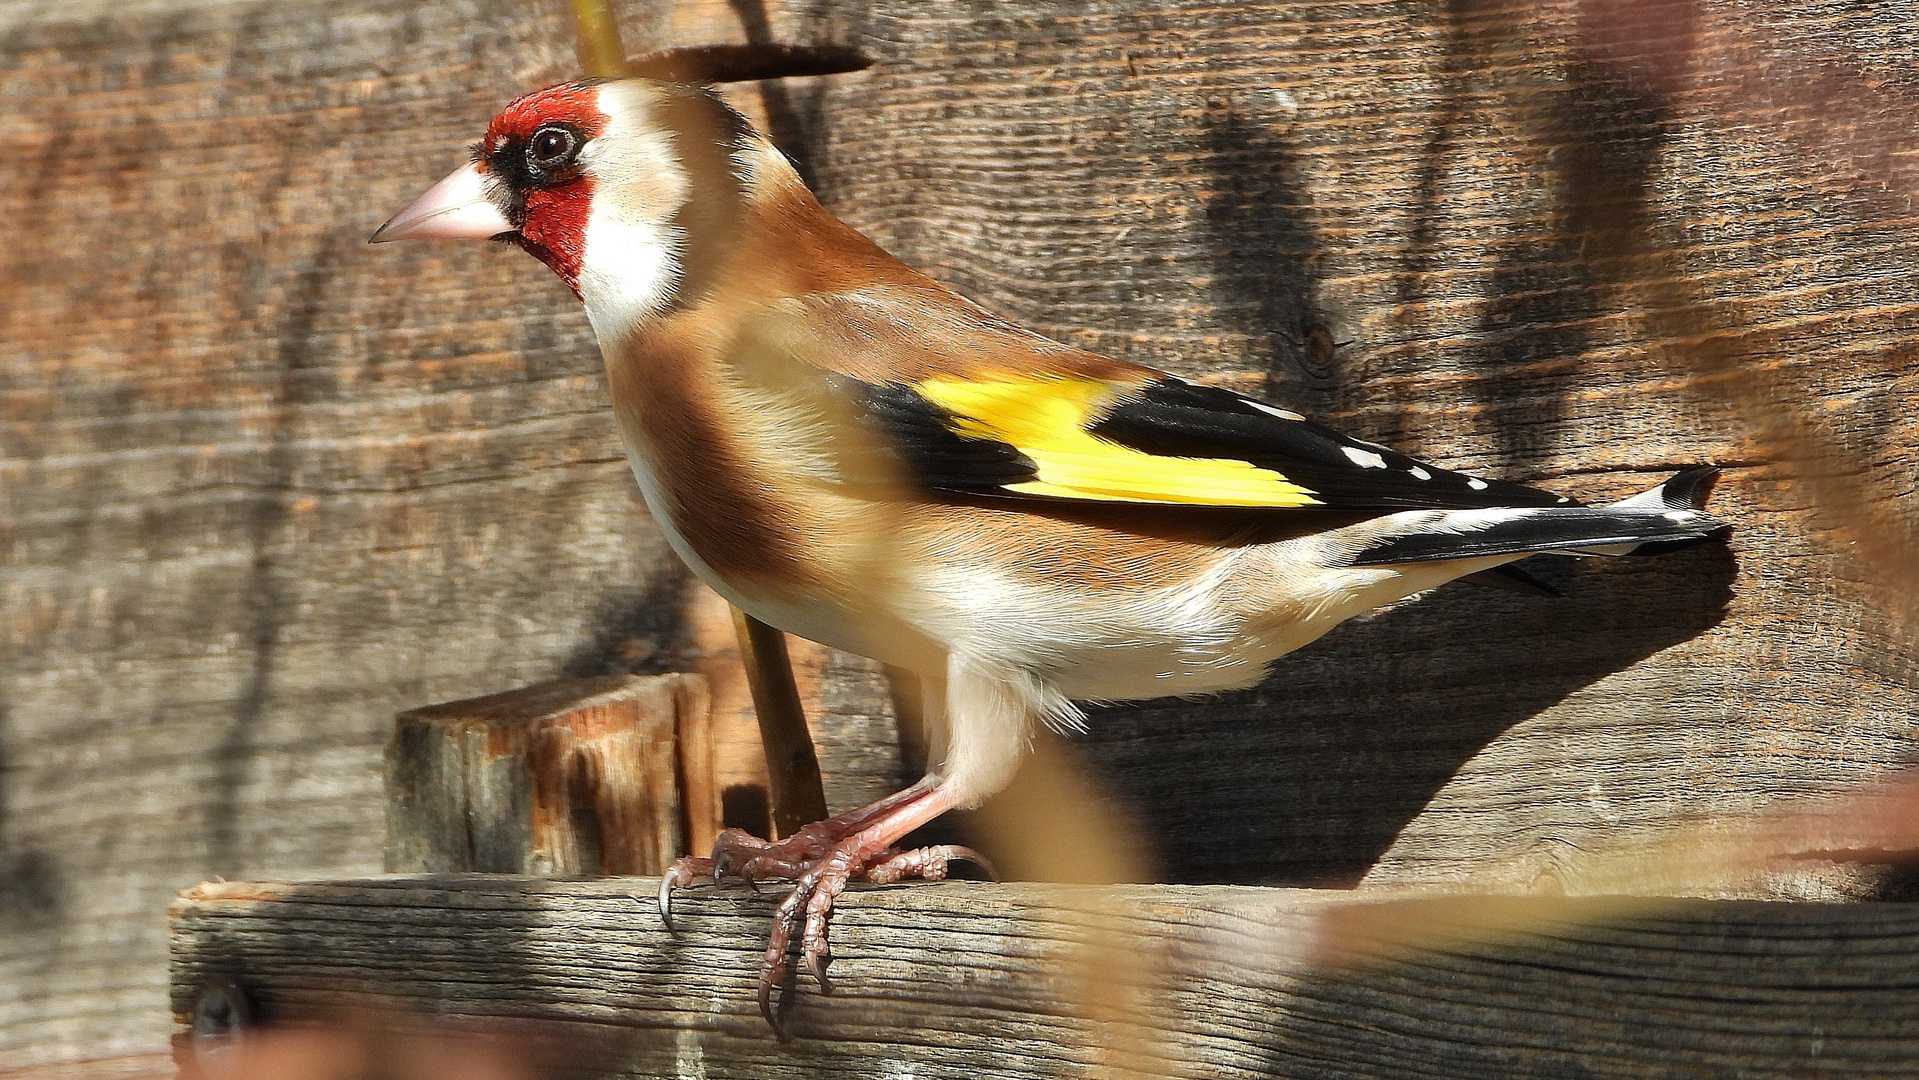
(966, 979)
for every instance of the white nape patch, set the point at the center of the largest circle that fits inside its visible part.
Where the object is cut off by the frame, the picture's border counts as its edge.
(1419, 473)
(1281, 413)
(1365, 459)
(631, 261)
(1476, 483)
(762, 167)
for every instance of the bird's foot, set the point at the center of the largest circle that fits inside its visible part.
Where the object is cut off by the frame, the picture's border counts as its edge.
(738, 853)
(820, 860)
(865, 856)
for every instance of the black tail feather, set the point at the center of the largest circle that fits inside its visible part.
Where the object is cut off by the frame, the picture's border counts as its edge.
(1687, 489)
(1652, 522)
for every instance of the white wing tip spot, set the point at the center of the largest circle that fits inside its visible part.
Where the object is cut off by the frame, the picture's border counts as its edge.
(1419, 473)
(1365, 459)
(1476, 483)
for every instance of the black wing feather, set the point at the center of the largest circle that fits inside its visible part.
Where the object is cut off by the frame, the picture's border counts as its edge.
(1175, 418)
(918, 438)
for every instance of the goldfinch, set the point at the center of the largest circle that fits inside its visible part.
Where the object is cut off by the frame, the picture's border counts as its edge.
(846, 449)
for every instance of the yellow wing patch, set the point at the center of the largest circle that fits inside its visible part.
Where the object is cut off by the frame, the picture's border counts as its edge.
(1046, 418)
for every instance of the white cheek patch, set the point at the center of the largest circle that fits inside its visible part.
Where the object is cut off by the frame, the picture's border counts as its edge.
(627, 271)
(630, 261)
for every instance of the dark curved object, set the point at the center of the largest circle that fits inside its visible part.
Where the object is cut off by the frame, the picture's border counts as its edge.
(702, 64)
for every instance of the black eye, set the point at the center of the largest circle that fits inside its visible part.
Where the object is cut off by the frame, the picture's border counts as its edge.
(551, 148)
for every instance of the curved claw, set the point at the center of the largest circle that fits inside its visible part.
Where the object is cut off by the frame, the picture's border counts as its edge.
(766, 1009)
(819, 860)
(816, 962)
(966, 854)
(681, 874)
(774, 968)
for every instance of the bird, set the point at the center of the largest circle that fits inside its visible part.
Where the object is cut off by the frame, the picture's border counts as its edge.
(854, 453)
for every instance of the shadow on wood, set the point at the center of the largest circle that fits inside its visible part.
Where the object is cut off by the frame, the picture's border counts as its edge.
(1327, 769)
(263, 487)
(968, 980)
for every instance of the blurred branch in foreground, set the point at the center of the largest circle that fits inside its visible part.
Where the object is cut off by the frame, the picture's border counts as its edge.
(1849, 132)
(355, 1052)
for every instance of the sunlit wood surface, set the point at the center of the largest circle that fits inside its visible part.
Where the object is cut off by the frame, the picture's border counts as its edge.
(967, 980)
(262, 487)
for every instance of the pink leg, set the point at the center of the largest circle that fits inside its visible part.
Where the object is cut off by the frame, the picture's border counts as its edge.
(926, 864)
(820, 860)
(738, 853)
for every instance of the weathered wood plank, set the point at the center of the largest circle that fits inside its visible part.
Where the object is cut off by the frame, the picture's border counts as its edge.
(261, 489)
(967, 980)
(607, 775)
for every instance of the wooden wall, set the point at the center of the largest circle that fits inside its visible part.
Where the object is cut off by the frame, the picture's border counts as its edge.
(262, 487)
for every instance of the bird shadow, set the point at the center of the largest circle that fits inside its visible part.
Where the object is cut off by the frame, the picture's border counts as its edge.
(1309, 777)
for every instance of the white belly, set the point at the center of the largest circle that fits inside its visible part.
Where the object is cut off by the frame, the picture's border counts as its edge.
(1218, 632)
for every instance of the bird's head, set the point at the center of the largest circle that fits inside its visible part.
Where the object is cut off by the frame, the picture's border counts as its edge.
(629, 190)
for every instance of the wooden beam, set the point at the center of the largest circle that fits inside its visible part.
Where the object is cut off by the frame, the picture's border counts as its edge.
(967, 979)
(577, 776)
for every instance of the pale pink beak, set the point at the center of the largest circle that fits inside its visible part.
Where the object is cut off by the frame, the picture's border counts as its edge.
(456, 207)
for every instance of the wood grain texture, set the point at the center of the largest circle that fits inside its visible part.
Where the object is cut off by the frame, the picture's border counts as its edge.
(1571, 243)
(261, 489)
(967, 980)
(605, 775)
